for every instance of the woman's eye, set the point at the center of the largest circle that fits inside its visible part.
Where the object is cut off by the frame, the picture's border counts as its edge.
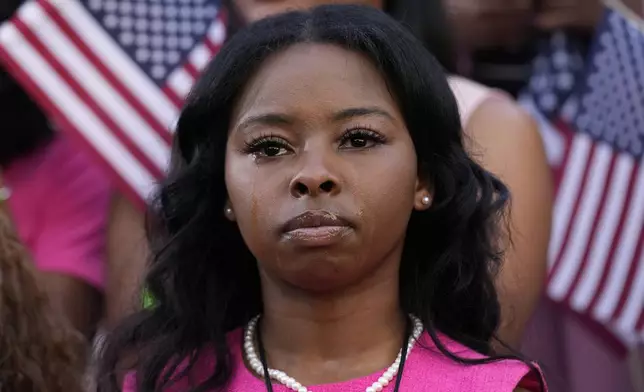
(268, 148)
(359, 140)
(273, 150)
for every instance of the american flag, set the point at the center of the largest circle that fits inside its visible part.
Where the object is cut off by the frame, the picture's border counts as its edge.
(591, 112)
(114, 73)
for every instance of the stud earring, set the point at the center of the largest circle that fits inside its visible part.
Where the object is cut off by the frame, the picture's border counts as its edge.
(425, 200)
(228, 211)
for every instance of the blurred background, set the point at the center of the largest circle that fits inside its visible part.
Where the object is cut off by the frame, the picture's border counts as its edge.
(90, 91)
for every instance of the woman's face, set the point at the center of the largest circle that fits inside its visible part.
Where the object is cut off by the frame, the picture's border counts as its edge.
(320, 169)
(253, 10)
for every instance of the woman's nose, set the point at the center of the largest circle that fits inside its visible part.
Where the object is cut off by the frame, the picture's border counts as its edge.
(314, 179)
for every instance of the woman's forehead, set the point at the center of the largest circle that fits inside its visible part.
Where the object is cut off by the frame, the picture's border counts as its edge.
(315, 77)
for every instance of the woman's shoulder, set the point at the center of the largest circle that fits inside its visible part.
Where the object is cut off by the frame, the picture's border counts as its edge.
(427, 369)
(471, 96)
(200, 370)
(487, 110)
(452, 374)
(483, 108)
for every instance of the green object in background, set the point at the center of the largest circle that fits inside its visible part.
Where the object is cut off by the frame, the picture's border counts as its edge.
(148, 299)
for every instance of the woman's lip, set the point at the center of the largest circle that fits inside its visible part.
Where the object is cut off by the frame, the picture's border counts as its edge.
(317, 236)
(315, 219)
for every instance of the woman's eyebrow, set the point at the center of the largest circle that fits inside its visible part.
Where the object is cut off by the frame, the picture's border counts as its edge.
(361, 111)
(273, 119)
(282, 119)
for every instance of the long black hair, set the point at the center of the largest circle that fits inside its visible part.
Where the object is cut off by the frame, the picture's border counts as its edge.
(205, 279)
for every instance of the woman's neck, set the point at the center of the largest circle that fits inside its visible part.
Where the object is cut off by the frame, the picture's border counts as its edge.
(331, 338)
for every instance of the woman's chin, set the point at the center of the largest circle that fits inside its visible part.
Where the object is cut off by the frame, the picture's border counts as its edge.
(321, 275)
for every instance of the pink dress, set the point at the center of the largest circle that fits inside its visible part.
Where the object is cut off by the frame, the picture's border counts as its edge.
(426, 370)
(59, 204)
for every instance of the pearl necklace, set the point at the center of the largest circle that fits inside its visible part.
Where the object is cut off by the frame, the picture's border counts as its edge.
(256, 365)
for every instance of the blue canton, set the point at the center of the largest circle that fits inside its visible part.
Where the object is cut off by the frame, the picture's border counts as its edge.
(611, 99)
(157, 34)
(556, 70)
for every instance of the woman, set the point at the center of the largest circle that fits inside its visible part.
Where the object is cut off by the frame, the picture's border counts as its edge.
(501, 136)
(40, 352)
(323, 202)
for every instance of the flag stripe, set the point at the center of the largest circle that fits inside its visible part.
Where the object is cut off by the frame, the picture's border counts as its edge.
(630, 278)
(584, 214)
(586, 247)
(215, 37)
(581, 162)
(572, 181)
(173, 96)
(216, 33)
(191, 70)
(200, 56)
(564, 265)
(610, 259)
(182, 79)
(640, 321)
(126, 111)
(110, 79)
(109, 54)
(48, 57)
(633, 296)
(59, 117)
(624, 252)
(596, 254)
(84, 80)
(65, 107)
(180, 82)
(607, 231)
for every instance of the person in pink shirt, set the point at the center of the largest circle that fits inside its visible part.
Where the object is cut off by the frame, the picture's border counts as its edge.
(502, 136)
(322, 225)
(58, 203)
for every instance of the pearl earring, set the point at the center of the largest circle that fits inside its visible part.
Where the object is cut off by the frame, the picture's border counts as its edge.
(425, 200)
(228, 211)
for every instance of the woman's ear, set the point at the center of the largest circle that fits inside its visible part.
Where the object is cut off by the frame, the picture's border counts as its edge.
(229, 213)
(423, 200)
(423, 196)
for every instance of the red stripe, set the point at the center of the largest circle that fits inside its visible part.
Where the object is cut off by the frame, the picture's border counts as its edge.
(640, 322)
(58, 117)
(176, 99)
(610, 258)
(192, 70)
(114, 81)
(632, 272)
(591, 241)
(569, 225)
(212, 47)
(63, 72)
(222, 18)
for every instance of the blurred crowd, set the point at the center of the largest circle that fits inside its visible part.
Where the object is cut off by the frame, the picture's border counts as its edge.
(73, 252)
